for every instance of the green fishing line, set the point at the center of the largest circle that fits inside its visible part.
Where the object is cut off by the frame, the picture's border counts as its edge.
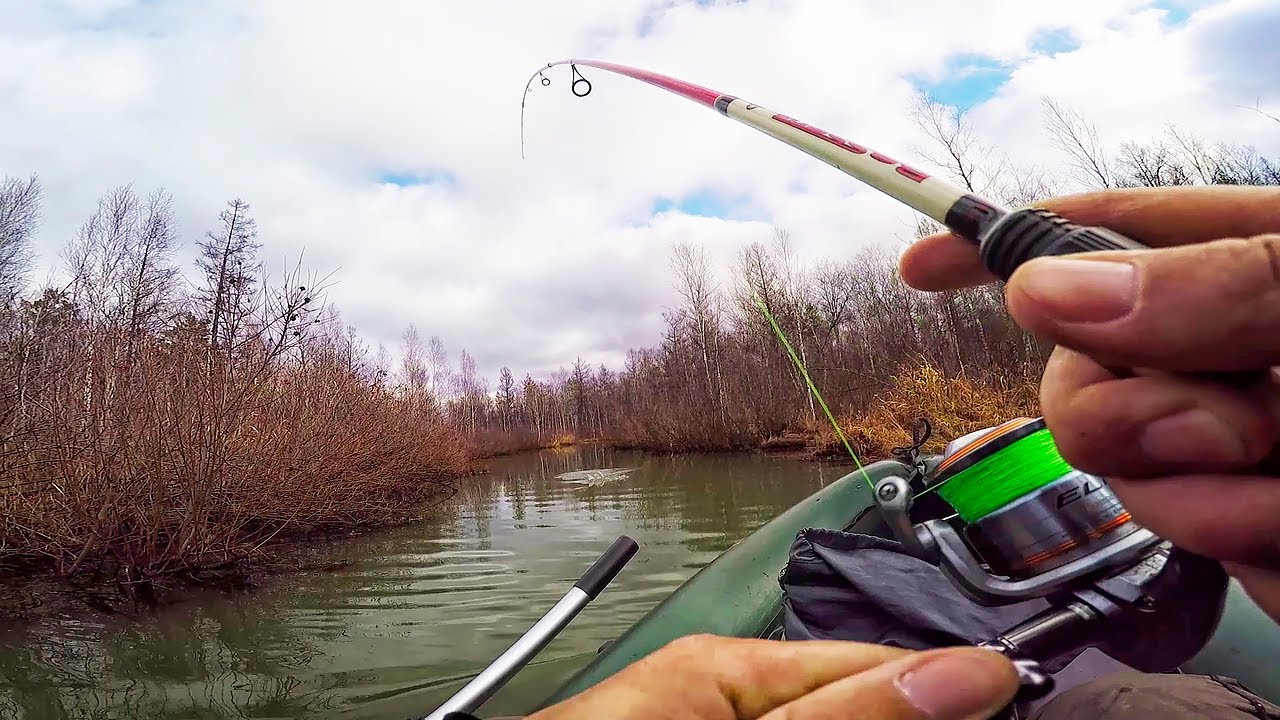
(782, 337)
(1024, 466)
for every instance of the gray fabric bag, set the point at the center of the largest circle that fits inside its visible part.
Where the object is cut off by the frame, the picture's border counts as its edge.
(847, 586)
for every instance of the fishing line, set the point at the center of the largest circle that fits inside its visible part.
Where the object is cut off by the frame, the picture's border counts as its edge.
(1011, 472)
(813, 388)
(1005, 240)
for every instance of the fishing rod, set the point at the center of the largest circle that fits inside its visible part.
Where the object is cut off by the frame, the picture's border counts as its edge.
(1005, 239)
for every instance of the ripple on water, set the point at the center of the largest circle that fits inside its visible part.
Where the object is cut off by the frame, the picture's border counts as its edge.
(452, 540)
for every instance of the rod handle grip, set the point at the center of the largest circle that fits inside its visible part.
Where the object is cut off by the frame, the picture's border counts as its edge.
(1030, 233)
(607, 566)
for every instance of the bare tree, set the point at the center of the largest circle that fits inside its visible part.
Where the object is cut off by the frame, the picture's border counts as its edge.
(1025, 185)
(1242, 165)
(701, 308)
(437, 360)
(1150, 165)
(471, 399)
(97, 257)
(150, 284)
(120, 262)
(1075, 136)
(1194, 154)
(534, 409)
(506, 398)
(834, 291)
(957, 149)
(19, 217)
(413, 368)
(229, 263)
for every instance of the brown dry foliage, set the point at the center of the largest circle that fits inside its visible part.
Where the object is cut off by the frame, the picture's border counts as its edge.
(143, 460)
(953, 405)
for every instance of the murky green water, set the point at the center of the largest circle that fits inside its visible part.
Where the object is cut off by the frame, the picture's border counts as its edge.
(419, 610)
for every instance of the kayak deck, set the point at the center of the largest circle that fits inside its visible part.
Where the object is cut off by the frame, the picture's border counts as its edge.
(738, 595)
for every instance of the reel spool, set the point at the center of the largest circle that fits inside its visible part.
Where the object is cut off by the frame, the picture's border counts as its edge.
(1026, 511)
(1027, 524)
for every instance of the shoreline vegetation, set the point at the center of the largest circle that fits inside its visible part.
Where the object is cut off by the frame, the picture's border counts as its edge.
(163, 428)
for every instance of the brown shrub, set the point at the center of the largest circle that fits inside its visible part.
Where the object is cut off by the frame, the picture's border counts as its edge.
(135, 461)
(953, 405)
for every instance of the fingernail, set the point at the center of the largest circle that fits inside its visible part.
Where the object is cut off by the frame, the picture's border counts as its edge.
(1192, 436)
(1081, 290)
(953, 688)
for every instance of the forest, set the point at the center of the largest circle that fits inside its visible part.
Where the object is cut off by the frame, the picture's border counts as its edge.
(162, 426)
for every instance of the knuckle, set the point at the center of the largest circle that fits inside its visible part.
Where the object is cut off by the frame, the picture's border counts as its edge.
(691, 646)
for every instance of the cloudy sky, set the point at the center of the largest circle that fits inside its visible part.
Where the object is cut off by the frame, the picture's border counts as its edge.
(382, 137)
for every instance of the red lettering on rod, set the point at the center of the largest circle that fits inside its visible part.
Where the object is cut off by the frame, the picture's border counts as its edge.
(821, 134)
(911, 173)
(905, 171)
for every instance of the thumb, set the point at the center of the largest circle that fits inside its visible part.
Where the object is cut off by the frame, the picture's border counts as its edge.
(1213, 306)
(951, 684)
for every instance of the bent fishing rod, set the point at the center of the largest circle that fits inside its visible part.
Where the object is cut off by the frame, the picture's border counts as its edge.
(1005, 239)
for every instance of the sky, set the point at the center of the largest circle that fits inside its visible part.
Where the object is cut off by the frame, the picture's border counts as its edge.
(380, 140)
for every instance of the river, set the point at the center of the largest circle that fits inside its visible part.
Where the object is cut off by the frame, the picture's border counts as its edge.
(413, 613)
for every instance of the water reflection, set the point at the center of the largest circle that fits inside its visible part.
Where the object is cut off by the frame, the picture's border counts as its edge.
(414, 613)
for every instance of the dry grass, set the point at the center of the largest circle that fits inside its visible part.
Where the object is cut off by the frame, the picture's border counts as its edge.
(563, 440)
(955, 406)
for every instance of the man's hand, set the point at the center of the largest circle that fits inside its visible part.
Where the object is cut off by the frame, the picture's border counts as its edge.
(710, 678)
(1132, 328)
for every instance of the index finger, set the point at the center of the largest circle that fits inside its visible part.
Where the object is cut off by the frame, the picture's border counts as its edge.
(1159, 217)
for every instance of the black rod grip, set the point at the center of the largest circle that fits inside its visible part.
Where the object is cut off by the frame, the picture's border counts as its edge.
(607, 566)
(1031, 233)
(1023, 235)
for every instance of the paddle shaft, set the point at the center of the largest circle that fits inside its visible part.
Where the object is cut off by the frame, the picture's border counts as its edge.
(501, 670)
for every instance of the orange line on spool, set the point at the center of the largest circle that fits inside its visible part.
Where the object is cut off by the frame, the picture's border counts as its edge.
(978, 442)
(1094, 534)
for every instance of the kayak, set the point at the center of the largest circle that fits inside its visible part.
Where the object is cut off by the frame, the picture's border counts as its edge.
(739, 595)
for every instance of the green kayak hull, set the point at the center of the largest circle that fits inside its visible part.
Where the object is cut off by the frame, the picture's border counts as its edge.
(738, 595)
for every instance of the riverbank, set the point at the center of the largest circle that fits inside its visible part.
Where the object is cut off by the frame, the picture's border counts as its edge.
(147, 467)
(133, 545)
(38, 590)
(954, 406)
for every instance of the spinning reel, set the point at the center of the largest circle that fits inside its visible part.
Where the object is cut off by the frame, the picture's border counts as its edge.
(1028, 526)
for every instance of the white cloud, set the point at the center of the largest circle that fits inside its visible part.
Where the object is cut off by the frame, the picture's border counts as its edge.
(299, 107)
